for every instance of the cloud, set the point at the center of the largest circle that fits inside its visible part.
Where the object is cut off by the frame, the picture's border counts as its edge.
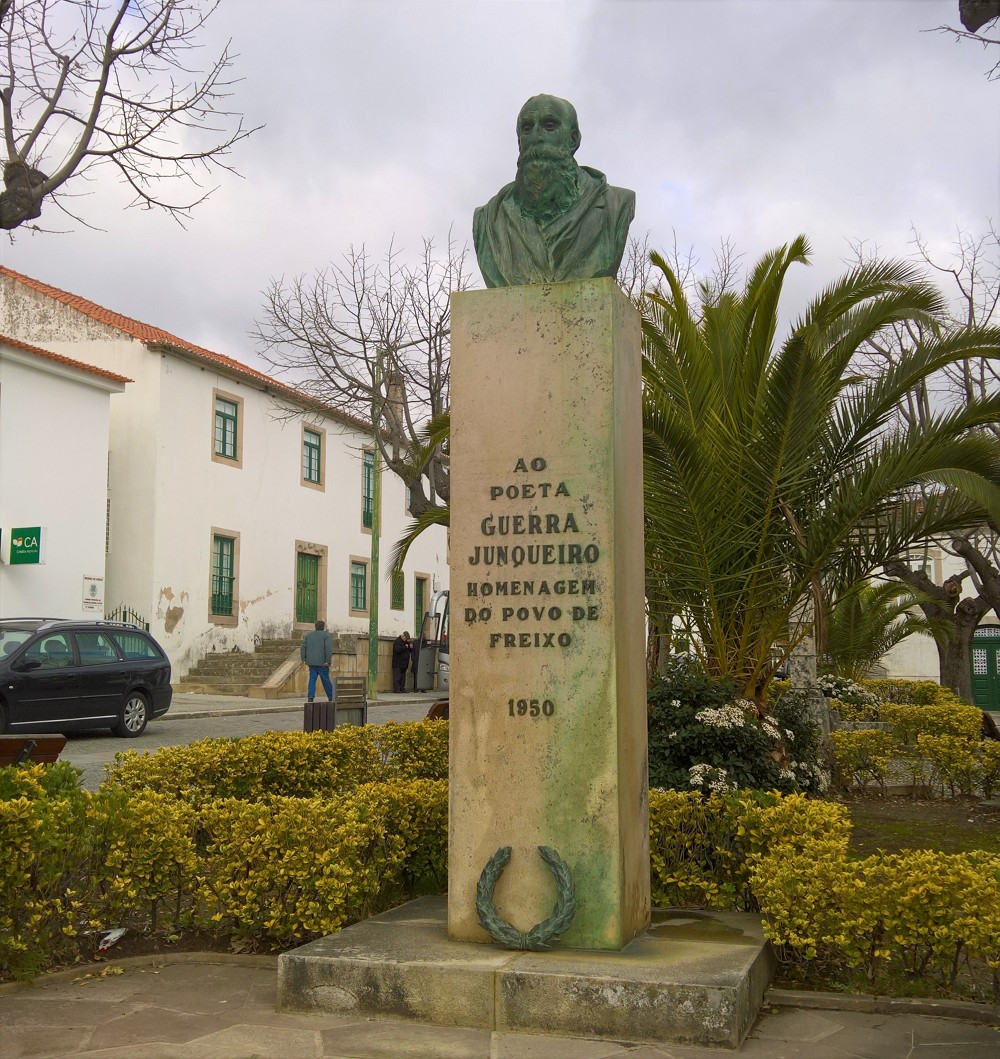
(731, 119)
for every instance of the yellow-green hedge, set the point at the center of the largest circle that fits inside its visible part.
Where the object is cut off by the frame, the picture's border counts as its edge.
(289, 764)
(270, 839)
(269, 869)
(701, 848)
(914, 692)
(955, 718)
(44, 860)
(864, 758)
(290, 869)
(936, 742)
(918, 912)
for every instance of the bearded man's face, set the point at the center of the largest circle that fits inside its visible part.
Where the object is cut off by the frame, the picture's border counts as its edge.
(546, 180)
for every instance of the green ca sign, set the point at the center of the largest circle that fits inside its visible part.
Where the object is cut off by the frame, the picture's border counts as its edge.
(25, 545)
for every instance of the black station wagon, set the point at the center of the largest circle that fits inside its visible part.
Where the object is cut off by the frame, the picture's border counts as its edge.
(58, 675)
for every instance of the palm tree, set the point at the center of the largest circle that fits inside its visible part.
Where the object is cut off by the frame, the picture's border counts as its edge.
(869, 620)
(775, 476)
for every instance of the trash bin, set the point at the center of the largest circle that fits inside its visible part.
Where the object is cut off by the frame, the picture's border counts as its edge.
(319, 717)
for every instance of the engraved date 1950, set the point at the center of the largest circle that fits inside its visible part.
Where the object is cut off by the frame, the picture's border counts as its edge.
(530, 707)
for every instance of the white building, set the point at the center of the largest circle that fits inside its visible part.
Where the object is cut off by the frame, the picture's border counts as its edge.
(52, 494)
(236, 506)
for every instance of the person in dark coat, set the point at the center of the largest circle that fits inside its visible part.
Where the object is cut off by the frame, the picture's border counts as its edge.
(402, 648)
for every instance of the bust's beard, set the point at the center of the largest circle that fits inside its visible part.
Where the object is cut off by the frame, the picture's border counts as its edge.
(546, 182)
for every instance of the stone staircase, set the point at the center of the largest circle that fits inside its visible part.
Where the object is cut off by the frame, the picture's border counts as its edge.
(236, 672)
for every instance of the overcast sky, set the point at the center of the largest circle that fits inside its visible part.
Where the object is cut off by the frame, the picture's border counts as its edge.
(752, 120)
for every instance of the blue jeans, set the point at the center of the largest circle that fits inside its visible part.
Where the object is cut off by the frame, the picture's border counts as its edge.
(323, 672)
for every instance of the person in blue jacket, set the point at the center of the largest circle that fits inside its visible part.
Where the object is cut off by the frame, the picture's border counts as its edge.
(317, 653)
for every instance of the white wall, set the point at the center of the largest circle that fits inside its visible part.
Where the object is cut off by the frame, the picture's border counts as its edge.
(53, 473)
(133, 437)
(167, 494)
(263, 501)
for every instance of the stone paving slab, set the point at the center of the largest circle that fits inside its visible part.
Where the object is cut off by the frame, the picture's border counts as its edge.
(139, 1015)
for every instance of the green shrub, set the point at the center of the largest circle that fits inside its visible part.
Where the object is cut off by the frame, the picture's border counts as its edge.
(701, 849)
(145, 869)
(157, 848)
(287, 764)
(44, 866)
(915, 913)
(935, 742)
(913, 692)
(60, 779)
(703, 737)
(949, 718)
(291, 869)
(864, 758)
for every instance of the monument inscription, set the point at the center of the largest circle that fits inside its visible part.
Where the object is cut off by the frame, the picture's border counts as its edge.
(537, 596)
(547, 649)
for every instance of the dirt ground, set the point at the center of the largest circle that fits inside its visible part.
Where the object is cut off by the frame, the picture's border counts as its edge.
(951, 825)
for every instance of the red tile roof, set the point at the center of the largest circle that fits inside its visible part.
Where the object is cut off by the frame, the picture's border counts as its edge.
(150, 335)
(17, 344)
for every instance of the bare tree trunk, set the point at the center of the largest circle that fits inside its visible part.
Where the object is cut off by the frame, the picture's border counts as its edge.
(962, 616)
(955, 653)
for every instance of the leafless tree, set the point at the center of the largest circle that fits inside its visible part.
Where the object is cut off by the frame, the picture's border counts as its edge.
(976, 15)
(637, 278)
(973, 276)
(371, 338)
(115, 83)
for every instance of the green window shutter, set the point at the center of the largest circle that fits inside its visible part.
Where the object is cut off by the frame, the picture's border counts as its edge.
(419, 602)
(397, 590)
(368, 489)
(359, 586)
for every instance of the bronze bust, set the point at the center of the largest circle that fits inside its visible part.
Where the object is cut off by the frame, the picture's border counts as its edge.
(557, 220)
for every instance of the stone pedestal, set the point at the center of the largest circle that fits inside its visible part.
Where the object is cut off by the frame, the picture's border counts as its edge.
(695, 978)
(548, 713)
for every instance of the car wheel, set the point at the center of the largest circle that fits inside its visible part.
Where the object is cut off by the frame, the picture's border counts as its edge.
(134, 715)
(3, 719)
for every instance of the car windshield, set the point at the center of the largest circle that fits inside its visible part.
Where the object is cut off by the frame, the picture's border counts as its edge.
(11, 639)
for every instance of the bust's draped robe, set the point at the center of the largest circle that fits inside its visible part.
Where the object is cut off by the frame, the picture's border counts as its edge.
(586, 241)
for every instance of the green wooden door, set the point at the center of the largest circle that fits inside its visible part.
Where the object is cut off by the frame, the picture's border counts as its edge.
(306, 588)
(986, 667)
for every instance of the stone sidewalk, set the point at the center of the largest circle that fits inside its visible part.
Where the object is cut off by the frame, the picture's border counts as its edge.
(186, 705)
(205, 1006)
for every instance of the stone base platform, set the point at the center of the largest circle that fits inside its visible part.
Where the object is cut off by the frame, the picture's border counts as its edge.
(695, 978)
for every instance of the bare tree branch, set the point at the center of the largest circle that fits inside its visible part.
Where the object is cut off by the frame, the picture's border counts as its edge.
(107, 82)
(372, 339)
(972, 275)
(975, 14)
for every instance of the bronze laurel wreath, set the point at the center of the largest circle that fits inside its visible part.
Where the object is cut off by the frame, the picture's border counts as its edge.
(542, 935)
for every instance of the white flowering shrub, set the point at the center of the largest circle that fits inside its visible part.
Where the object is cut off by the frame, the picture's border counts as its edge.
(704, 737)
(845, 690)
